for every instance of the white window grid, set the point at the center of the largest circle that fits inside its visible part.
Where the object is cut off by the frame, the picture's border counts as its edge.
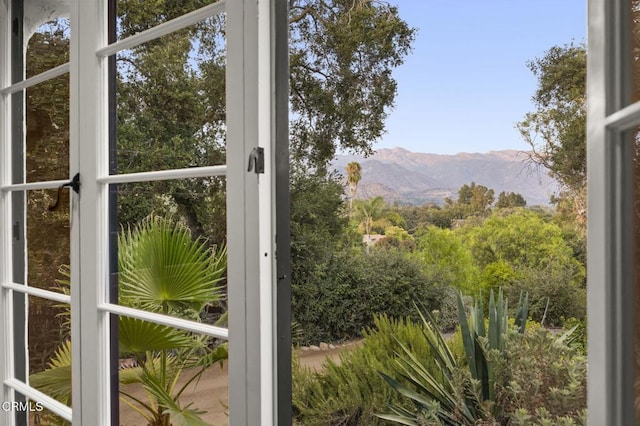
(251, 246)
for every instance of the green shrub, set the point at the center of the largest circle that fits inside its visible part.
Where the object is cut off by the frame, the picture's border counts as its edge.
(578, 339)
(552, 294)
(342, 296)
(446, 317)
(524, 251)
(350, 392)
(544, 378)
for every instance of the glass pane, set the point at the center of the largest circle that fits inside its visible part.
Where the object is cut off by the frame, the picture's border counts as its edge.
(170, 260)
(49, 344)
(48, 240)
(170, 249)
(47, 43)
(135, 16)
(196, 362)
(170, 101)
(47, 130)
(49, 329)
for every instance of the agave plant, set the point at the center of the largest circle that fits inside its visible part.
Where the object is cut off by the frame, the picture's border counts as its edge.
(457, 394)
(161, 269)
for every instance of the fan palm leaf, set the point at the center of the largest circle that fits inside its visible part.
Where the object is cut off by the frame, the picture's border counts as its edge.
(139, 336)
(162, 269)
(55, 381)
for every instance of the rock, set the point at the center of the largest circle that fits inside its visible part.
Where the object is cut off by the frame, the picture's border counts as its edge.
(314, 348)
(304, 348)
(332, 346)
(324, 346)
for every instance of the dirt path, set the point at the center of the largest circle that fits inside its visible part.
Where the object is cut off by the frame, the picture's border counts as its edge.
(210, 393)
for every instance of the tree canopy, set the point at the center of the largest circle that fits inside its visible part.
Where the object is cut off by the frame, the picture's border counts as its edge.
(510, 199)
(342, 54)
(556, 130)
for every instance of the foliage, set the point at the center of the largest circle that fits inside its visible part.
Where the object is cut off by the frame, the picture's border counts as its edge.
(477, 197)
(473, 201)
(503, 366)
(162, 269)
(520, 239)
(351, 391)
(446, 318)
(510, 199)
(451, 397)
(319, 225)
(553, 295)
(342, 296)
(369, 211)
(429, 214)
(398, 233)
(542, 380)
(523, 251)
(556, 130)
(55, 381)
(171, 98)
(354, 174)
(341, 56)
(578, 340)
(444, 259)
(456, 398)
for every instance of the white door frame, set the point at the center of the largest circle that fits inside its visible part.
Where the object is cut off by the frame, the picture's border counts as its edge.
(251, 210)
(610, 237)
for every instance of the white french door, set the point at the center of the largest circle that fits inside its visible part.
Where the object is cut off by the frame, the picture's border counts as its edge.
(250, 205)
(612, 229)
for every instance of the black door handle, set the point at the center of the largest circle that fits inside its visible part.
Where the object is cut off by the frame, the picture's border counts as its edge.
(73, 184)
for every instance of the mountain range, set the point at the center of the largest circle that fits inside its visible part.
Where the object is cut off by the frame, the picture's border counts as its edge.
(406, 177)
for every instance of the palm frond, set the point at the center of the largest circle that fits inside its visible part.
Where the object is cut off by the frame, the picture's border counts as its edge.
(139, 336)
(163, 269)
(56, 379)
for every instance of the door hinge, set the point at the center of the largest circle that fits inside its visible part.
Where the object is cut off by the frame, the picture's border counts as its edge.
(256, 160)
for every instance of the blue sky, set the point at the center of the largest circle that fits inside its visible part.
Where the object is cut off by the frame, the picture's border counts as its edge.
(466, 84)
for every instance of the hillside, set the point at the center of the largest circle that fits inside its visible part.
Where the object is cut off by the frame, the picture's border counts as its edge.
(409, 177)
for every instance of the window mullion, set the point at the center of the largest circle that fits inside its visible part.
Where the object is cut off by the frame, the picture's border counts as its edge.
(89, 231)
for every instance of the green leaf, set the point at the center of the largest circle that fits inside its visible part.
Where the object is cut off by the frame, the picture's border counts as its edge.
(138, 336)
(180, 415)
(162, 269)
(467, 339)
(56, 379)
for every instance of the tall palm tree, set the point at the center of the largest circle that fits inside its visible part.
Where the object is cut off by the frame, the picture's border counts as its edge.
(367, 212)
(354, 174)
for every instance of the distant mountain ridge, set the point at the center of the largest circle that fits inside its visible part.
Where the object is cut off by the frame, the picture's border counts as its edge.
(406, 177)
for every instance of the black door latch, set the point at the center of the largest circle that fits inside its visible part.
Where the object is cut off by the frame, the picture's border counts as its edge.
(256, 160)
(73, 184)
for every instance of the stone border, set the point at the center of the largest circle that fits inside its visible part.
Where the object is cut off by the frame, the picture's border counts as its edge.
(323, 346)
